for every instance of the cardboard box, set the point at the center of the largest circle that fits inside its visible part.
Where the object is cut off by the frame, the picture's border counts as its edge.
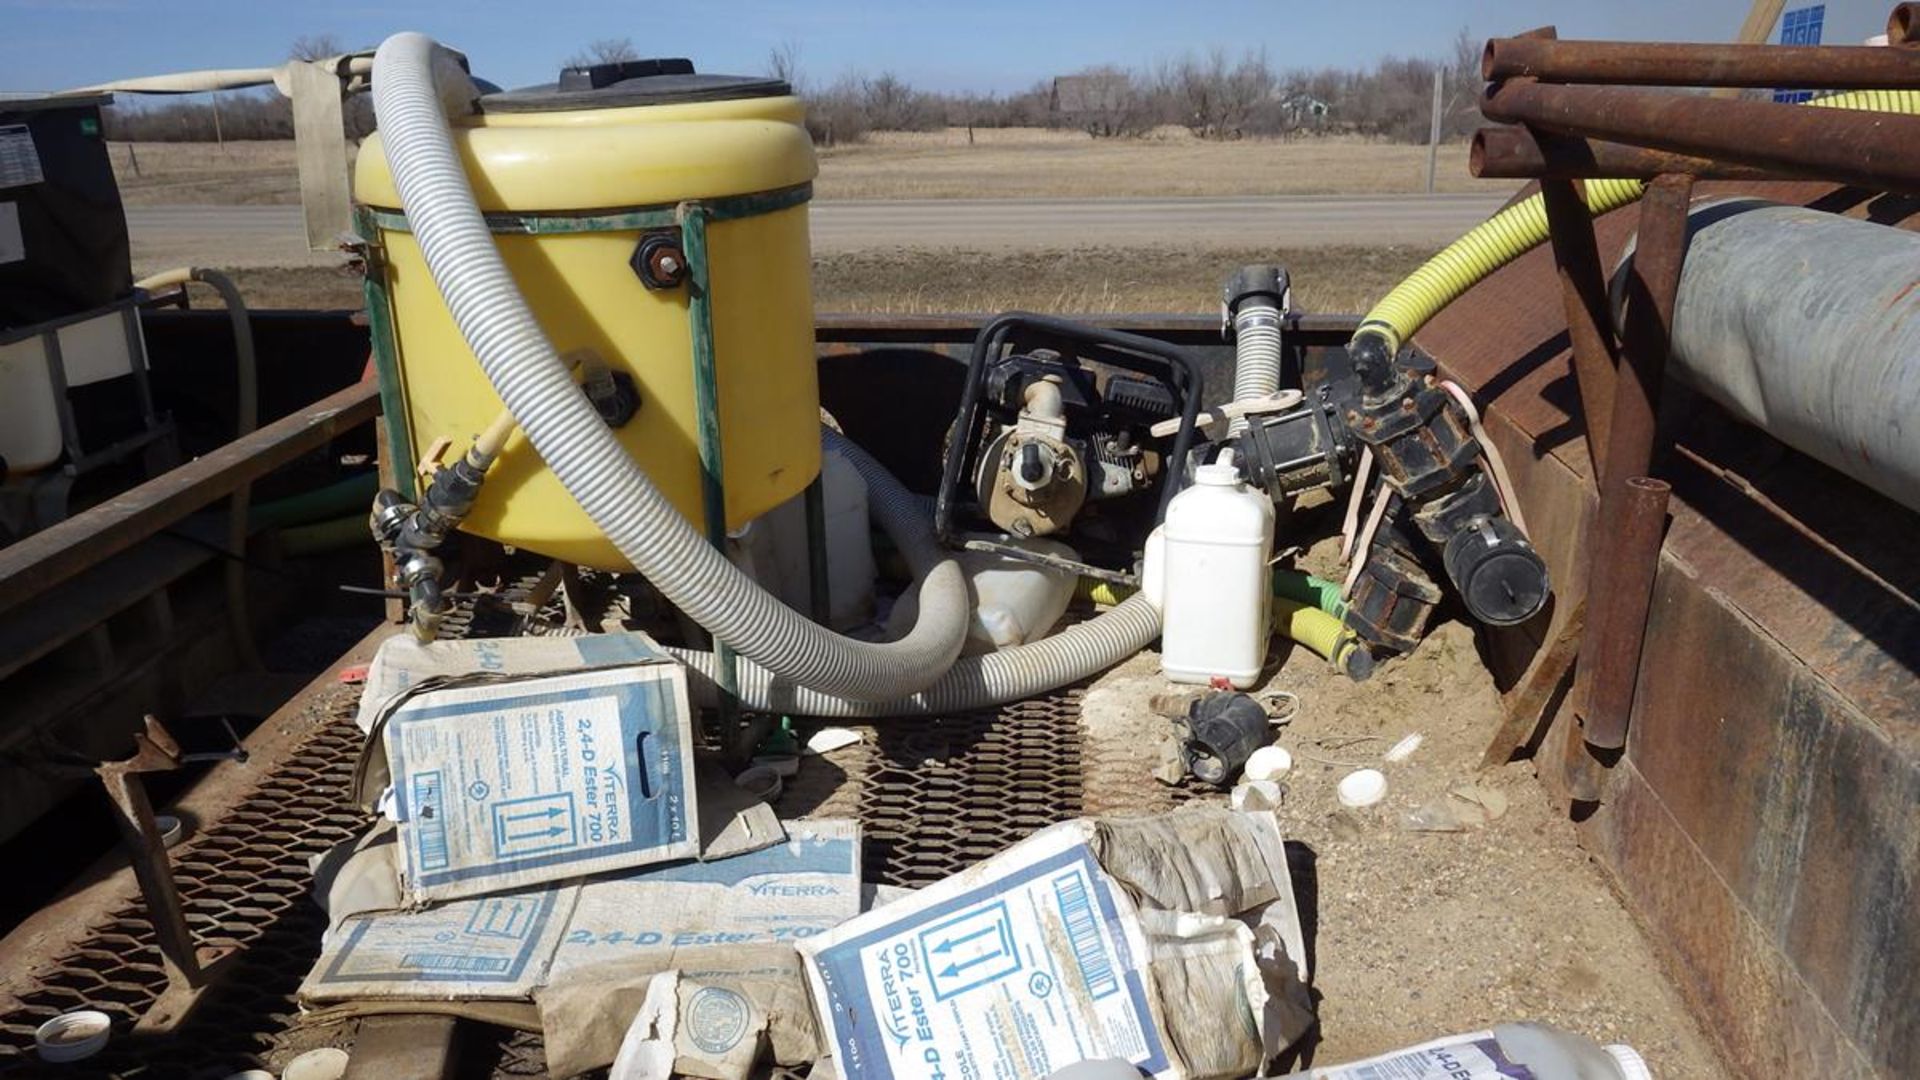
(509, 945)
(1034, 958)
(1090, 939)
(518, 762)
(503, 786)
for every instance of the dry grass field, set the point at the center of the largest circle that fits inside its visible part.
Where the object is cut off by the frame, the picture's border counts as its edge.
(1008, 163)
(999, 163)
(236, 174)
(1085, 281)
(1035, 163)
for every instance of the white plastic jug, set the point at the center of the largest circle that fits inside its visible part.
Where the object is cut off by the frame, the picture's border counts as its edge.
(1207, 566)
(1539, 1051)
(1014, 601)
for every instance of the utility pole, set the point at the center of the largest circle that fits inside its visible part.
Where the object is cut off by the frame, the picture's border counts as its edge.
(1433, 133)
(221, 139)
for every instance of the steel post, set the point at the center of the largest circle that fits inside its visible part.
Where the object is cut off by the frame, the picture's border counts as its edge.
(819, 586)
(1616, 619)
(1874, 150)
(1616, 662)
(706, 395)
(1583, 292)
(386, 355)
(154, 751)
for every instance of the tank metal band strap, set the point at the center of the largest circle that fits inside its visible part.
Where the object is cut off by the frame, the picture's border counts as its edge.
(638, 218)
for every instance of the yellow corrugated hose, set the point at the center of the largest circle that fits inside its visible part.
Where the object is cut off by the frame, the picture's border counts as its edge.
(1510, 233)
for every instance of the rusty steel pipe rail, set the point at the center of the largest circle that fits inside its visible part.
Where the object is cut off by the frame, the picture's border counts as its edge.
(53, 555)
(1903, 26)
(1874, 150)
(1658, 63)
(1514, 153)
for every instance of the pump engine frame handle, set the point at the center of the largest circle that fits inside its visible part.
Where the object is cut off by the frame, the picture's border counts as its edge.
(1133, 352)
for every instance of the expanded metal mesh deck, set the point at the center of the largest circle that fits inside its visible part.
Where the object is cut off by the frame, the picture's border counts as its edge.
(244, 882)
(935, 796)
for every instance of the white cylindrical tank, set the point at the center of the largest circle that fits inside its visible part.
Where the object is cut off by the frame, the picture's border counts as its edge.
(773, 548)
(1210, 567)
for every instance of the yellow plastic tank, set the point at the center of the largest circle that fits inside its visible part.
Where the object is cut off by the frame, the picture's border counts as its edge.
(572, 176)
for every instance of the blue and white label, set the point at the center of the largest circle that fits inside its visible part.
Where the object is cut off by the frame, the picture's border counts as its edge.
(548, 778)
(1478, 1056)
(1025, 964)
(781, 895)
(484, 947)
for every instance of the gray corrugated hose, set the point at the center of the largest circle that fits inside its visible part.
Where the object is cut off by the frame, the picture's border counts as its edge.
(415, 82)
(794, 665)
(1256, 353)
(973, 683)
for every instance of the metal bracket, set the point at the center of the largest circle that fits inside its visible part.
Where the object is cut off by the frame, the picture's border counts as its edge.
(188, 967)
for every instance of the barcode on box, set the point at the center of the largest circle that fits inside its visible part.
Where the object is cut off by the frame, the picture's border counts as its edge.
(1083, 935)
(465, 965)
(430, 821)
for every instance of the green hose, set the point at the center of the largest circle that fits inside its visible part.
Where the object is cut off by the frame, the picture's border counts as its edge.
(1517, 229)
(355, 493)
(1304, 588)
(324, 536)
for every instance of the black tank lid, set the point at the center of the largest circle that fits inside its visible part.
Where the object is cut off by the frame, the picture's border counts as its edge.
(665, 81)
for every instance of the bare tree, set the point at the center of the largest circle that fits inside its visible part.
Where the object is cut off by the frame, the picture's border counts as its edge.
(1221, 100)
(605, 51)
(314, 47)
(1105, 102)
(783, 63)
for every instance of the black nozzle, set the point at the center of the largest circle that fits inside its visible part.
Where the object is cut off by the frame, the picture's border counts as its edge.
(1248, 282)
(1501, 578)
(1225, 730)
(1372, 363)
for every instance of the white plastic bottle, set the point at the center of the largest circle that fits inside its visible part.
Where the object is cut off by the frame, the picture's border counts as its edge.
(1509, 1050)
(1209, 567)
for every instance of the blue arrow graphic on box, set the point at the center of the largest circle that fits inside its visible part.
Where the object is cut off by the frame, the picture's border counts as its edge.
(535, 825)
(947, 945)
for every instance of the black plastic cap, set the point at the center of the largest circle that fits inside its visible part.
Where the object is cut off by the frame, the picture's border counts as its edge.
(600, 76)
(1371, 361)
(1501, 579)
(1255, 281)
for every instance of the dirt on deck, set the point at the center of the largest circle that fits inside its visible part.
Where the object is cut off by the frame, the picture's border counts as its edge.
(1420, 934)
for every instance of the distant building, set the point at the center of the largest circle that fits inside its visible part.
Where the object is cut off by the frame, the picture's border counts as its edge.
(1304, 110)
(1098, 101)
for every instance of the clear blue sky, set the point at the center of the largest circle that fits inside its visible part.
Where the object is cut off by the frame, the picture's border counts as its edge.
(996, 45)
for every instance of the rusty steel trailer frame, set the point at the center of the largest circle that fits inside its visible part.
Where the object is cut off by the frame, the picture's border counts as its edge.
(1564, 134)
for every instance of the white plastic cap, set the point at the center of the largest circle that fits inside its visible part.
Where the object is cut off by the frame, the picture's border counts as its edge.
(73, 1035)
(326, 1063)
(1268, 763)
(1216, 475)
(1628, 1060)
(1362, 787)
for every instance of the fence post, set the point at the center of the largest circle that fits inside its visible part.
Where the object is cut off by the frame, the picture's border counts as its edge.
(1433, 132)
